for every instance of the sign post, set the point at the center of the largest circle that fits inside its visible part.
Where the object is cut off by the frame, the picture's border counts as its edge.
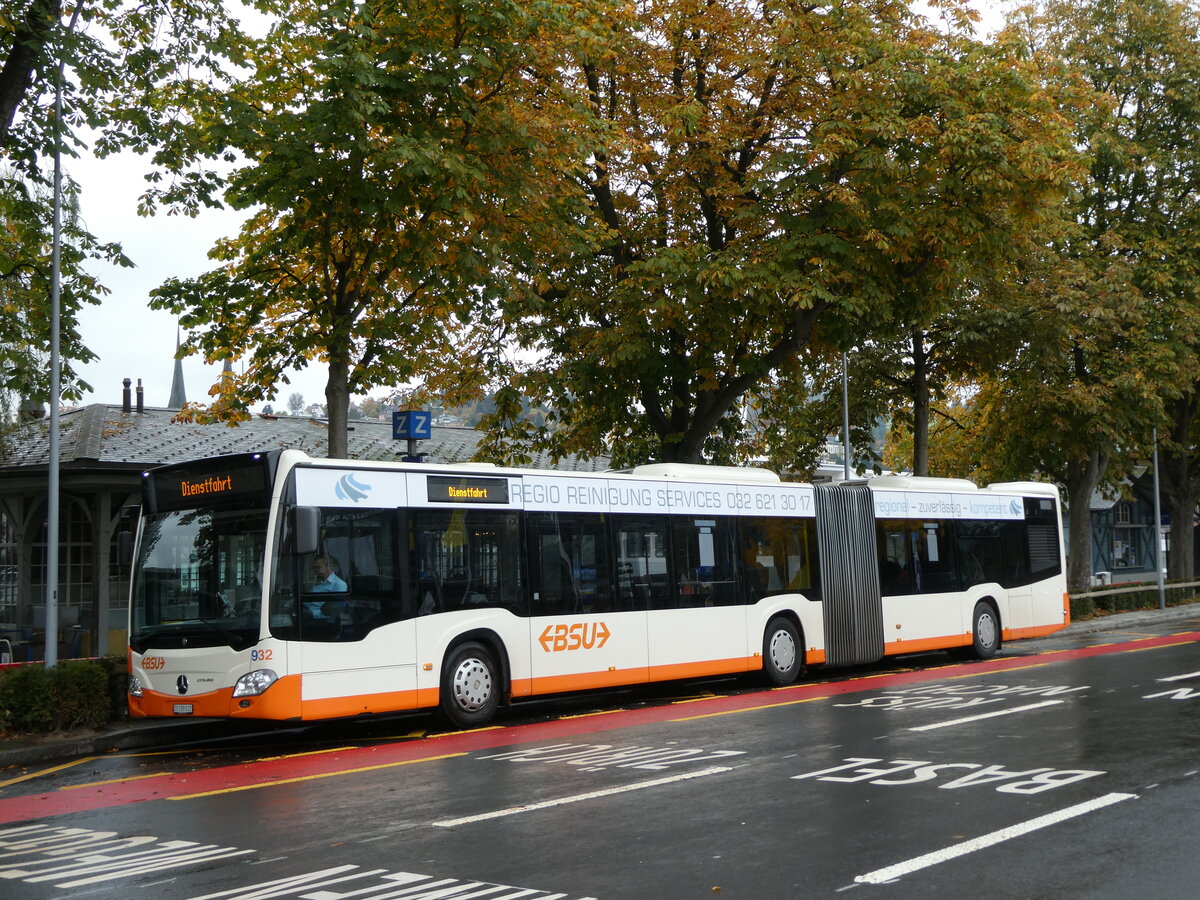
(412, 425)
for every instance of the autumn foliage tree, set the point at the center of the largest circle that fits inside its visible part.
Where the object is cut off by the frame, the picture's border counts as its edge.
(776, 178)
(377, 146)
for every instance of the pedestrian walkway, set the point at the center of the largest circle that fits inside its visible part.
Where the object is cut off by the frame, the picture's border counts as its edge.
(138, 734)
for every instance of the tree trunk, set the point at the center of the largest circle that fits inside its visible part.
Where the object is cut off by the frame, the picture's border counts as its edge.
(1181, 561)
(17, 75)
(920, 399)
(337, 398)
(1083, 476)
(1180, 491)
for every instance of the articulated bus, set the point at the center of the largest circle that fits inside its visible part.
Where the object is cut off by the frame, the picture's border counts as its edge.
(276, 586)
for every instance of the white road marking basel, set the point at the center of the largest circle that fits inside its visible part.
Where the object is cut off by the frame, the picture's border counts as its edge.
(891, 873)
(990, 715)
(1180, 677)
(578, 798)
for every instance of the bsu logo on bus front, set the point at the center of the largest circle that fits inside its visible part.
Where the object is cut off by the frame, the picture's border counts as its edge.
(580, 636)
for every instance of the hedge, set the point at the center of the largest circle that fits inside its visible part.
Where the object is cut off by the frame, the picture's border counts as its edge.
(75, 694)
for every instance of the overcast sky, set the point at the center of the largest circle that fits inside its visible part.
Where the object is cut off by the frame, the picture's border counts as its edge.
(133, 341)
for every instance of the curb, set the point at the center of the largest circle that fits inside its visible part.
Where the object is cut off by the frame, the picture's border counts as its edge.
(127, 735)
(1120, 621)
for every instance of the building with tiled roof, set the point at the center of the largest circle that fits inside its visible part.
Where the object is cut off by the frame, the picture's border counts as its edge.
(103, 449)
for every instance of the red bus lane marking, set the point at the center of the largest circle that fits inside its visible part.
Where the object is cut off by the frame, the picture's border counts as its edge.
(264, 773)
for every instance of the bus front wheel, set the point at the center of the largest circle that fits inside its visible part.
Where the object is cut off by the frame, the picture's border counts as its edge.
(470, 686)
(782, 652)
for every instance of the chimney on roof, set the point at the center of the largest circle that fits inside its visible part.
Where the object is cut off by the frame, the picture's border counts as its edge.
(141, 398)
(126, 399)
(30, 410)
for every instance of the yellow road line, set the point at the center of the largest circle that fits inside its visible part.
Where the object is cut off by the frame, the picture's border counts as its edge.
(588, 715)
(728, 712)
(75, 787)
(305, 753)
(263, 784)
(1035, 665)
(147, 753)
(41, 773)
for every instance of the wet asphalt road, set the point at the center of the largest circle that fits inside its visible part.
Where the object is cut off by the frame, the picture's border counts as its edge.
(1068, 767)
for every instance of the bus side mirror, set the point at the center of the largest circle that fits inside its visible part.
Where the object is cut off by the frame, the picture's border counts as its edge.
(124, 548)
(306, 529)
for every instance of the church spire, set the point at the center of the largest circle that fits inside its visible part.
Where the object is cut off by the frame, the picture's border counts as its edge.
(178, 397)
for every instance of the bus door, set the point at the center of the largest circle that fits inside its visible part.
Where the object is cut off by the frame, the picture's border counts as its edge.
(588, 601)
(697, 624)
(918, 573)
(851, 598)
(356, 631)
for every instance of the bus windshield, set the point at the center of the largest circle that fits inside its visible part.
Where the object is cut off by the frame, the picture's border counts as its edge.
(198, 579)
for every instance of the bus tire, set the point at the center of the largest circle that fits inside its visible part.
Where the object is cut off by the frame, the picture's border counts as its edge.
(471, 686)
(985, 634)
(782, 653)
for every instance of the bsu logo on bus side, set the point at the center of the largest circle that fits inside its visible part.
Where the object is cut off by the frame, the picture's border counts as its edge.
(580, 636)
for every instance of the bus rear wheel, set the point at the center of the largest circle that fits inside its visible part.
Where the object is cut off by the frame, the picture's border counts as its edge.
(985, 634)
(470, 689)
(782, 662)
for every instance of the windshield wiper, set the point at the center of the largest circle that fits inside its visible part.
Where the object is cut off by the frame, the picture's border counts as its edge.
(146, 635)
(232, 639)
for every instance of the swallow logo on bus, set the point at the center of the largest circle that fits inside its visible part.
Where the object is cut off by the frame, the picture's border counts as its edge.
(349, 488)
(1016, 507)
(580, 636)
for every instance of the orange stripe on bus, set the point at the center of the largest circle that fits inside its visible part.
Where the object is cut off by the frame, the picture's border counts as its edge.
(705, 668)
(555, 684)
(1015, 634)
(920, 645)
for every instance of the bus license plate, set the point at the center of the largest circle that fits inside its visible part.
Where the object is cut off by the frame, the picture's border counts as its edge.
(182, 709)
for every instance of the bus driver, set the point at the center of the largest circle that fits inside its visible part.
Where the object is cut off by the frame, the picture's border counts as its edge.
(325, 579)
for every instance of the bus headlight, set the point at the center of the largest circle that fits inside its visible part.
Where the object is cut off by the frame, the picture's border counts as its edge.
(135, 686)
(254, 683)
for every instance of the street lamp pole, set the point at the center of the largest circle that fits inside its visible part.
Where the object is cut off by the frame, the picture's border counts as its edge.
(52, 499)
(1158, 532)
(845, 419)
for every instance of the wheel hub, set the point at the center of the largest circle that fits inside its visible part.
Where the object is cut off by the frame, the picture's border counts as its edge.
(987, 631)
(783, 651)
(472, 685)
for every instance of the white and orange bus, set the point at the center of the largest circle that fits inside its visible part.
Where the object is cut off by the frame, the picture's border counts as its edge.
(278, 586)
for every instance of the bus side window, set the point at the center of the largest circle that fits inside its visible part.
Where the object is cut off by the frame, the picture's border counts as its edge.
(933, 556)
(642, 563)
(464, 559)
(570, 563)
(979, 552)
(705, 570)
(360, 548)
(779, 555)
(895, 563)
